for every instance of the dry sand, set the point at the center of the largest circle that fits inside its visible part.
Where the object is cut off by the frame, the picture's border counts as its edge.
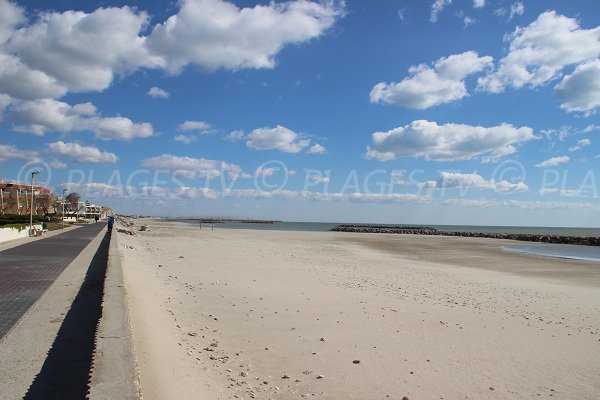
(240, 314)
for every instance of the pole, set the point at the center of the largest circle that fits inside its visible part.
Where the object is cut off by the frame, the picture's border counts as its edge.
(33, 173)
(63, 204)
(2, 200)
(31, 209)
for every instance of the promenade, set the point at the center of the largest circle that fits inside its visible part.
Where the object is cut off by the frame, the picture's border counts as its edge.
(28, 270)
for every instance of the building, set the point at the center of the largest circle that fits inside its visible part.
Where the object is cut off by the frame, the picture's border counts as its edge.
(15, 198)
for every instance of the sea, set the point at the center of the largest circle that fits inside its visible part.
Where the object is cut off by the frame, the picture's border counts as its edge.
(583, 253)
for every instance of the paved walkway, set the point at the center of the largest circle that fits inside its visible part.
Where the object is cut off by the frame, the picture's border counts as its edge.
(26, 271)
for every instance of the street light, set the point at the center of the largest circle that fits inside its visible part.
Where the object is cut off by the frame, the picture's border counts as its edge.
(63, 204)
(33, 174)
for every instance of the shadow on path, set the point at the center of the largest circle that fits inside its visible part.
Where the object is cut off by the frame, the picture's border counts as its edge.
(66, 371)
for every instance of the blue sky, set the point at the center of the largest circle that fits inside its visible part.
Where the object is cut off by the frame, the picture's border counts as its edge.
(446, 111)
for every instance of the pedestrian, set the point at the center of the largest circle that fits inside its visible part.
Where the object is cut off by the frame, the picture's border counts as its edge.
(96, 218)
(111, 221)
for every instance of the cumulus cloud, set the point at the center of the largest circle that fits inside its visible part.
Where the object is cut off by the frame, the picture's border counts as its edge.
(316, 149)
(77, 152)
(539, 52)
(216, 34)
(580, 91)
(580, 144)
(158, 93)
(553, 162)
(235, 136)
(451, 180)
(430, 86)
(437, 7)
(278, 138)
(193, 126)
(444, 142)
(38, 117)
(8, 152)
(478, 3)
(190, 167)
(185, 139)
(75, 51)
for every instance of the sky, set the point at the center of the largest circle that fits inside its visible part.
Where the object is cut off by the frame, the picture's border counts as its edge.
(473, 112)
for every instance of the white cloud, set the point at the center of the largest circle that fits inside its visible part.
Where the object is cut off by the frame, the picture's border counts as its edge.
(450, 180)
(235, 136)
(468, 21)
(193, 126)
(316, 149)
(118, 128)
(320, 179)
(478, 3)
(428, 87)
(57, 164)
(77, 152)
(158, 93)
(539, 52)
(580, 144)
(262, 171)
(189, 167)
(437, 7)
(75, 51)
(216, 34)
(499, 153)
(546, 191)
(517, 8)
(8, 152)
(444, 142)
(278, 138)
(526, 205)
(591, 128)
(580, 91)
(553, 162)
(47, 115)
(185, 139)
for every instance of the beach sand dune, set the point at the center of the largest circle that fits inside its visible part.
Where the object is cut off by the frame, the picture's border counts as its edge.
(243, 314)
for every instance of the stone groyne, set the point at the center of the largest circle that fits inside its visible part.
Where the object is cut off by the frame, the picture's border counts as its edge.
(423, 230)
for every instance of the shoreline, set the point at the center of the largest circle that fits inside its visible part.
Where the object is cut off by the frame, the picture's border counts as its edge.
(242, 313)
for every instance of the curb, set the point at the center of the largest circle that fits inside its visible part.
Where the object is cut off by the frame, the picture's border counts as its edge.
(114, 371)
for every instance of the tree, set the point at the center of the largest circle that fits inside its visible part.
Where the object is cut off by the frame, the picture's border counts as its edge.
(43, 201)
(73, 201)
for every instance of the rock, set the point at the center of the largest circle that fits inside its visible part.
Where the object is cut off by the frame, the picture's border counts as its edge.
(355, 361)
(285, 376)
(320, 377)
(243, 374)
(492, 388)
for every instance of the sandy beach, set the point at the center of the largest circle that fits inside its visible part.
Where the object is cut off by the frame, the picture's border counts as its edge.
(240, 314)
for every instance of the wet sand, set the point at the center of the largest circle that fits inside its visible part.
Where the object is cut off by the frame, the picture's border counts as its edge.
(228, 314)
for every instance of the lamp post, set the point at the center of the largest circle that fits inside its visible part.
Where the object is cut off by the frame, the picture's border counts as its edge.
(63, 204)
(33, 174)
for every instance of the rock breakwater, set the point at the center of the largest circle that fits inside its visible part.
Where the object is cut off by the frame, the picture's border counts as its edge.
(424, 230)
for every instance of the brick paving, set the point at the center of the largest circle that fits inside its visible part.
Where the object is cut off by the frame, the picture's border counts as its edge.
(28, 270)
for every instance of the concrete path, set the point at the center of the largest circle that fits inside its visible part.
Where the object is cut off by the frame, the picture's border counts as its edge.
(28, 270)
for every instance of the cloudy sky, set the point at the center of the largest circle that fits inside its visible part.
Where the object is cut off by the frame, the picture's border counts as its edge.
(446, 111)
